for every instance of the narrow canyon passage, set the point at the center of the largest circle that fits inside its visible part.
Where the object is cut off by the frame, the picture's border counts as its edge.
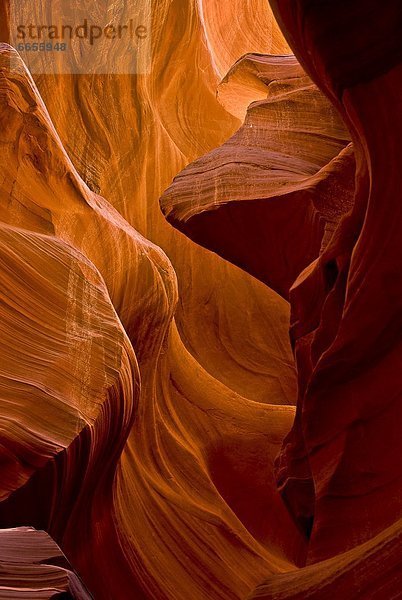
(199, 300)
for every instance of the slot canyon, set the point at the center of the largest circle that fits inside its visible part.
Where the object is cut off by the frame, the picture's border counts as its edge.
(199, 300)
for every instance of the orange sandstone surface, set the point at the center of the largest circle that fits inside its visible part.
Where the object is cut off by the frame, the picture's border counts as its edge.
(199, 306)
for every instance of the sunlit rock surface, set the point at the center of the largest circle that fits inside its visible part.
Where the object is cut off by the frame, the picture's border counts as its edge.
(273, 193)
(159, 234)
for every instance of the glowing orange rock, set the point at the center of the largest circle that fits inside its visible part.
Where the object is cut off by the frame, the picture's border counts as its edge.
(271, 196)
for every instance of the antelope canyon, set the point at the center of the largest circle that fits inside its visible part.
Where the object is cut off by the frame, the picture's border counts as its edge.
(200, 294)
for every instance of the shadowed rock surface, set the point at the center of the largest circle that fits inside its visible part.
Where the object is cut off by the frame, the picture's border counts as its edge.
(160, 428)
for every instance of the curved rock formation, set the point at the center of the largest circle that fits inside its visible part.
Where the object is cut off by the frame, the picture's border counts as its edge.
(348, 406)
(170, 475)
(271, 196)
(371, 570)
(129, 136)
(32, 566)
(148, 385)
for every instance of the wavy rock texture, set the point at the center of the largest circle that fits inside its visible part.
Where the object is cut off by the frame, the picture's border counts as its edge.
(349, 409)
(132, 165)
(173, 473)
(32, 566)
(371, 570)
(147, 383)
(271, 195)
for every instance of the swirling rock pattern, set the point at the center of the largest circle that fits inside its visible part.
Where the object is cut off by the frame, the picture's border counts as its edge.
(32, 566)
(166, 452)
(148, 385)
(272, 194)
(348, 406)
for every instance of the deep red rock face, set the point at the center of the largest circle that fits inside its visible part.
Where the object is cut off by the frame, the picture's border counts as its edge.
(200, 298)
(348, 434)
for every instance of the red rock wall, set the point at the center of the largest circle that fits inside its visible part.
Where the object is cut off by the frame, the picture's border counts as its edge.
(160, 237)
